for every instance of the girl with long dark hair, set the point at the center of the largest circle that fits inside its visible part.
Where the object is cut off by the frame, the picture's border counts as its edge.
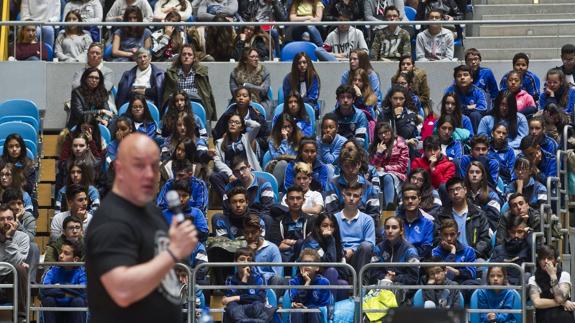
(419, 81)
(127, 40)
(14, 152)
(505, 110)
(167, 41)
(139, 112)
(479, 191)
(253, 75)
(558, 91)
(304, 79)
(72, 42)
(90, 99)
(79, 173)
(359, 58)
(295, 107)
(430, 201)
(283, 145)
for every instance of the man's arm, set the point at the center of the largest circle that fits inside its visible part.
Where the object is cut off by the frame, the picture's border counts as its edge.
(127, 285)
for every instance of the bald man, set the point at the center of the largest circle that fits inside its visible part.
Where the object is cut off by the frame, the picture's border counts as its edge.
(131, 252)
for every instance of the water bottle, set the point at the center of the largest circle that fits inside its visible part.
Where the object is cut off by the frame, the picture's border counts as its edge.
(205, 317)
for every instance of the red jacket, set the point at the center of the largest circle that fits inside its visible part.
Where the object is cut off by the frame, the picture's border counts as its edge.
(397, 161)
(444, 170)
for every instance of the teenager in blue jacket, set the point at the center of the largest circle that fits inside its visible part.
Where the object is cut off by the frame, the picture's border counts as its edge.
(473, 100)
(501, 299)
(450, 147)
(451, 250)
(545, 163)
(557, 90)
(418, 227)
(308, 298)
(500, 151)
(505, 110)
(303, 76)
(479, 148)
(450, 106)
(307, 153)
(352, 122)
(199, 189)
(139, 112)
(530, 82)
(534, 192)
(198, 218)
(482, 76)
(481, 194)
(330, 142)
(537, 129)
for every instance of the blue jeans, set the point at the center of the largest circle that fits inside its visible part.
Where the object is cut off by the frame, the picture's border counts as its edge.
(314, 34)
(323, 55)
(388, 188)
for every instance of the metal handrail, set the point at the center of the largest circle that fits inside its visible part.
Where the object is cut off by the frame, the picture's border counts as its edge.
(353, 286)
(442, 264)
(14, 286)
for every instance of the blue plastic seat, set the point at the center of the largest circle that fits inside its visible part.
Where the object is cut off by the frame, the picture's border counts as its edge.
(108, 53)
(473, 304)
(266, 159)
(410, 13)
(290, 50)
(23, 129)
(153, 111)
(49, 52)
(200, 112)
(308, 108)
(280, 95)
(418, 299)
(260, 109)
(105, 133)
(21, 108)
(269, 178)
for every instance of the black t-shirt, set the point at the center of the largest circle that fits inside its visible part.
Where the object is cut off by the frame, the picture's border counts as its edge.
(122, 234)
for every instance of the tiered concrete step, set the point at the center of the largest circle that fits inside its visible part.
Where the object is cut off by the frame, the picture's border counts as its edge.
(526, 30)
(526, 1)
(507, 54)
(522, 9)
(519, 42)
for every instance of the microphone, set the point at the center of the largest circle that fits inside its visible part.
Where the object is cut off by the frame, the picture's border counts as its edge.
(173, 199)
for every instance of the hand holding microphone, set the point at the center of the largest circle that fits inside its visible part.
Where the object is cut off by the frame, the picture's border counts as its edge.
(183, 234)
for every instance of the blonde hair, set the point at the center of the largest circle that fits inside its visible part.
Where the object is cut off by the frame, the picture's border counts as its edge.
(301, 167)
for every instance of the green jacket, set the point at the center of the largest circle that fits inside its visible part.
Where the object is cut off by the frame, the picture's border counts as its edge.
(53, 250)
(202, 82)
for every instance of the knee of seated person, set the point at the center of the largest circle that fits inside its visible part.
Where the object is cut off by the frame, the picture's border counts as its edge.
(48, 301)
(77, 302)
(388, 179)
(365, 247)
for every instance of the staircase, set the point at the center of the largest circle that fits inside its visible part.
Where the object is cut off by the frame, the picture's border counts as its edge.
(501, 42)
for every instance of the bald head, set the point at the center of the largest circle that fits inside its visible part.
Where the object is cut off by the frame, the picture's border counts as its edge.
(137, 169)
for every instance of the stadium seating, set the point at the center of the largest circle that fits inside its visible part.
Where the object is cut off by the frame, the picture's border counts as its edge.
(290, 50)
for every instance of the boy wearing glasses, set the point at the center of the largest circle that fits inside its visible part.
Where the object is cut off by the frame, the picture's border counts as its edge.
(357, 229)
(77, 200)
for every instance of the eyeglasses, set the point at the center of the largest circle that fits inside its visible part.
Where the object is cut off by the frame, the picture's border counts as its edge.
(456, 189)
(234, 122)
(74, 228)
(241, 170)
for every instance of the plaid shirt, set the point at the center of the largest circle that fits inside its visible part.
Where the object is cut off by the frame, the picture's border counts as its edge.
(188, 83)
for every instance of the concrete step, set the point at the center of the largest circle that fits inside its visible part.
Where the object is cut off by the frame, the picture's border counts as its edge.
(519, 42)
(524, 2)
(526, 30)
(531, 17)
(480, 10)
(507, 54)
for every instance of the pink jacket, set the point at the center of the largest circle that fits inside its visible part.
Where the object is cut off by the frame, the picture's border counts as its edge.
(397, 162)
(524, 100)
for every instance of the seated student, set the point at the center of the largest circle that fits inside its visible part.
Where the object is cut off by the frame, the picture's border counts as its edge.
(534, 192)
(440, 298)
(395, 248)
(178, 107)
(325, 238)
(473, 100)
(127, 40)
(450, 249)
(537, 130)
(265, 251)
(450, 106)
(352, 122)
(123, 126)
(481, 194)
(418, 82)
(405, 80)
(483, 77)
(525, 103)
(543, 164)
(398, 110)
(70, 251)
(235, 142)
(90, 128)
(429, 201)
(166, 41)
(295, 107)
(230, 224)
(14, 152)
(308, 153)
(197, 187)
(479, 150)
(500, 151)
(439, 167)
(515, 249)
(366, 99)
(242, 107)
(26, 221)
(529, 81)
(291, 224)
(500, 299)
(568, 60)
(471, 221)
(450, 147)
(341, 41)
(27, 47)
(79, 173)
(357, 228)
(549, 289)
(119, 8)
(283, 144)
(360, 59)
(245, 305)
(139, 112)
(308, 298)
(418, 225)
(145, 79)
(350, 162)
(558, 91)
(505, 110)
(194, 214)
(313, 200)
(209, 10)
(186, 151)
(73, 231)
(390, 156)
(330, 142)
(304, 79)
(518, 207)
(391, 42)
(435, 43)
(81, 153)
(10, 177)
(77, 200)
(72, 42)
